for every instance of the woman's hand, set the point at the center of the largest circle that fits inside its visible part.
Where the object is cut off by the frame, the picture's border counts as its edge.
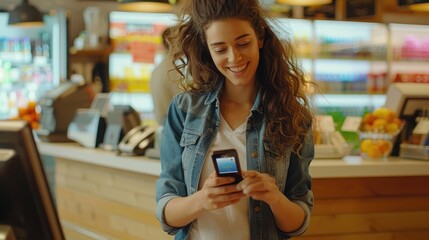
(216, 194)
(260, 186)
(288, 215)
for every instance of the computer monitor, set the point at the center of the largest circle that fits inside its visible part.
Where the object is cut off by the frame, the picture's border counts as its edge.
(26, 203)
(407, 100)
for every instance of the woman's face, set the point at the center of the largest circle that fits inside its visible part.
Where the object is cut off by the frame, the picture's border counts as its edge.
(234, 48)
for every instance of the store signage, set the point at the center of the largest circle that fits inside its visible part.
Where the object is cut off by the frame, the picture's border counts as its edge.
(360, 8)
(410, 2)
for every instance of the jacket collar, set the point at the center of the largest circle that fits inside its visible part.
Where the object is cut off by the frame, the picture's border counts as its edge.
(214, 96)
(215, 93)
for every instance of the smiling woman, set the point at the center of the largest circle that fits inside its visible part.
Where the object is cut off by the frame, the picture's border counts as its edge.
(244, 91)
(234, 48)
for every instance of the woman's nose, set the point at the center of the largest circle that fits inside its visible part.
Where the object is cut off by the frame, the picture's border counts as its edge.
(234, 55)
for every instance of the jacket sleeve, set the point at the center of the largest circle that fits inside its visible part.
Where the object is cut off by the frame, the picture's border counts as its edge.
(171, 182)
(299, 182)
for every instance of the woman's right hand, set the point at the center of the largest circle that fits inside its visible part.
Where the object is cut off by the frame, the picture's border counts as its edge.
(214, 194)
(217, 194)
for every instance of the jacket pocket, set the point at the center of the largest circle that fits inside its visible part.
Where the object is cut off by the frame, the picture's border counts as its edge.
(277, 161)
(273, 153)
(188, 142)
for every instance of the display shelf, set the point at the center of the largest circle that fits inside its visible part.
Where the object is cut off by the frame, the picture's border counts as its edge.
(410, 53)
(410, 41)
(32, 61)
(91, 52)
(341, 57)
(412, 61)
(349, 100)
(350, 58)
(360, 57)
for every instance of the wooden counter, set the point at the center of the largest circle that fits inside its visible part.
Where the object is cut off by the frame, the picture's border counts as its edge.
(104, 195)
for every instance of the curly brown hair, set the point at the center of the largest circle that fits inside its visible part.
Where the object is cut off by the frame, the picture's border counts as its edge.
(279, 74)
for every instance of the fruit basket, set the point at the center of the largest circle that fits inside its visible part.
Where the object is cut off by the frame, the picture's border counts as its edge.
(378, 132)
(376, 145)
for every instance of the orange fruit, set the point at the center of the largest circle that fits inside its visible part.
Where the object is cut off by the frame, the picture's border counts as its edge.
(27, 118)
(369, 118)
(31, 106)
(374, 152)
(392, 127)
(380, 124)
(34, 125)
(365, 145)
(384, 146)
(22, 111)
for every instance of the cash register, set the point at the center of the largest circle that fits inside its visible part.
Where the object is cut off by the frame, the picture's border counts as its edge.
(58, 107)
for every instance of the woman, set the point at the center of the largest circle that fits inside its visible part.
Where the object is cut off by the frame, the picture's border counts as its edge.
(246, 93)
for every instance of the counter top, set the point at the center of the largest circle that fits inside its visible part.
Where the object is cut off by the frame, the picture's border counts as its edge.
(355, 166)
(98, 156)
(349, 166)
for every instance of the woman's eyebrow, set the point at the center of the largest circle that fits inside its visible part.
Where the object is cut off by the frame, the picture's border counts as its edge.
(237, 38)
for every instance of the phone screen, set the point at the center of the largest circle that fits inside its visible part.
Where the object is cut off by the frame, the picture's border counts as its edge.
(227, 164)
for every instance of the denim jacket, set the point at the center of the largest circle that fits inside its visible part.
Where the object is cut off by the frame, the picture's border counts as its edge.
(189, 131)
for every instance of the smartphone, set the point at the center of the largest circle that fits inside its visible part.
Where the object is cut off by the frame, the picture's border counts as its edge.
(227, 164)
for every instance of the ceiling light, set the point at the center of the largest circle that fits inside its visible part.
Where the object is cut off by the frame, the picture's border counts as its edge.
(25, 15)
(147, 5)
(304, 2)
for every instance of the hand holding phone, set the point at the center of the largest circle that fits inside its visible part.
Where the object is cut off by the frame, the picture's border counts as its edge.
(227, 164)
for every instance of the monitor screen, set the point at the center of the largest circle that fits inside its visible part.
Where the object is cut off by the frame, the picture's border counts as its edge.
(407, 100)
(26, 203)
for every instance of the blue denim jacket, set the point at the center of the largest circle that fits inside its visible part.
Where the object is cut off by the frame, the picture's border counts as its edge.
(190, 129)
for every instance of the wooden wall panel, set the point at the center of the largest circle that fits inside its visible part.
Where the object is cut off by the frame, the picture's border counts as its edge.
(335, 224)
(370, 208)
(121, 205)
(106, 201)
(371, 205)
(370, 187)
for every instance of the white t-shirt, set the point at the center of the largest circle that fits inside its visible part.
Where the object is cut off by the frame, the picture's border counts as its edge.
(231, 222)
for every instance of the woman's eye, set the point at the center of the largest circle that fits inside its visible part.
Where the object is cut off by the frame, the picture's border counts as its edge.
(219, 50)
(244, 44)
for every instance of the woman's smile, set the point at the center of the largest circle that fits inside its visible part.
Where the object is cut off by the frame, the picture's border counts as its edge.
(239, 68)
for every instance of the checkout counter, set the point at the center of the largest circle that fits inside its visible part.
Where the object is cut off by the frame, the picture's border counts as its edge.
(102, 194)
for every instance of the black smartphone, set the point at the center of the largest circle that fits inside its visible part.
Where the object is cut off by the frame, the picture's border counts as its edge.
(227, 164)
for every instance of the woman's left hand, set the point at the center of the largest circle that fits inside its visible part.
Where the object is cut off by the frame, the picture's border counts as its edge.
(260, 186)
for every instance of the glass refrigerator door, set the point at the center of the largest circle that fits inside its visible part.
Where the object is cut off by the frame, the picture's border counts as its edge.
(32, 61)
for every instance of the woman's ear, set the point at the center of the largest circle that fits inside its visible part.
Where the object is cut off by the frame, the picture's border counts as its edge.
(260, 43)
